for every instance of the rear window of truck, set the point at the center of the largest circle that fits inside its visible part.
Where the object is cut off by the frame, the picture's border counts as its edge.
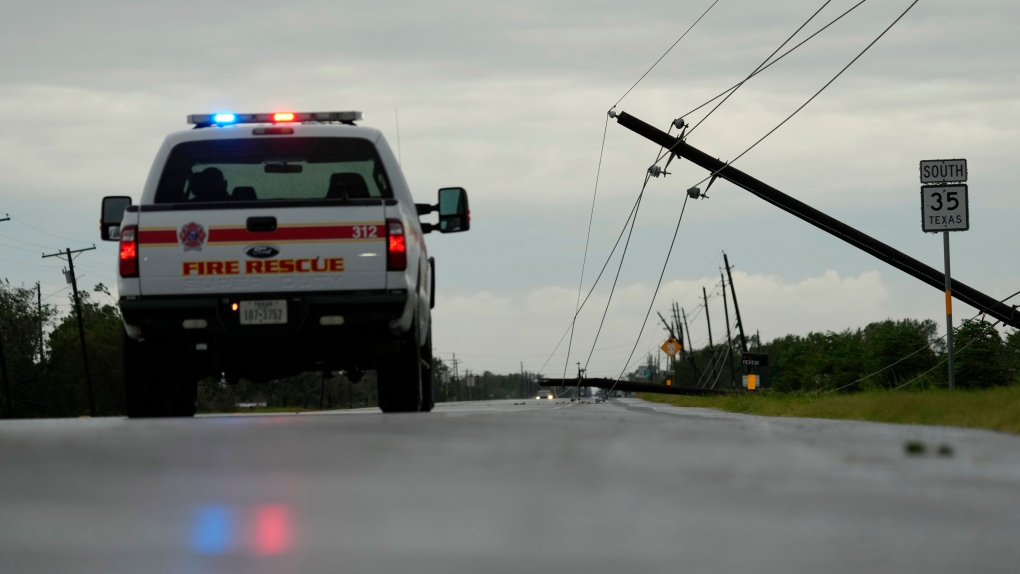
(255, 169)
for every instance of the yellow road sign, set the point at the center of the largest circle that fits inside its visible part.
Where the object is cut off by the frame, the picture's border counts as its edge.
(671, 347)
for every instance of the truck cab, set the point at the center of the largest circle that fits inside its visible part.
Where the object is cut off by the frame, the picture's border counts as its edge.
(265, 245)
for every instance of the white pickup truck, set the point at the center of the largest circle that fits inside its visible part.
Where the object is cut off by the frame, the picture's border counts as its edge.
(265, 245)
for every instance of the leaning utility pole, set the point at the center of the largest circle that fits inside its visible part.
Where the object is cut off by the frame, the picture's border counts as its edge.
(729, 338)
(736, 307)
(691, 354)
(717, 168)
(81, 325)
(707, 319)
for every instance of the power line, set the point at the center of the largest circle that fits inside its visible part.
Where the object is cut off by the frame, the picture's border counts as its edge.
(623, 257)
(656, 293)
(783, 55)
(756, 70)
(816, 94)
(52, 234)
(664, 53)
(901, 359)
(587, 238)
(595, 284)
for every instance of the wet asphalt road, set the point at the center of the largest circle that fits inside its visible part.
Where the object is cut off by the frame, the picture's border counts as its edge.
(496, 487)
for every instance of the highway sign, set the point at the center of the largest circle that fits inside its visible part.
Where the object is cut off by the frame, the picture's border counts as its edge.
(671, 347)
(943, 171)
(944, 208)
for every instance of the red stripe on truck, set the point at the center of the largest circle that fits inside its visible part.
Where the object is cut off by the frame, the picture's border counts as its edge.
(369, 232)
(298, 233)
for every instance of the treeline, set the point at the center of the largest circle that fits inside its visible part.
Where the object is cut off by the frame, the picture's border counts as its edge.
(894, 353)
(46, 373)
(45, 370)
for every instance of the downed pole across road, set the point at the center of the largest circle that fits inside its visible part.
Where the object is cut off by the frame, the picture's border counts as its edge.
(632, 387)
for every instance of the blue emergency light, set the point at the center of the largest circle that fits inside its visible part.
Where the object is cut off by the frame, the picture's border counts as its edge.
(222, 119)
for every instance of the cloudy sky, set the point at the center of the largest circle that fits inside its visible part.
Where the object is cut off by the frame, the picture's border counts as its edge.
(508, 99)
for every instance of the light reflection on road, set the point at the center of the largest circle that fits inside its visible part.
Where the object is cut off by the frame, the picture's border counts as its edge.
(218, 529)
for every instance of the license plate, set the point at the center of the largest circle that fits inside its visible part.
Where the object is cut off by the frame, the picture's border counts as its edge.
(263, 312)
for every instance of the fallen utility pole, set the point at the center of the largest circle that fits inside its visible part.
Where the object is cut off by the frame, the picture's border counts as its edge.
(736, 306)
(830, 225)
(634, 387)
(81, 324)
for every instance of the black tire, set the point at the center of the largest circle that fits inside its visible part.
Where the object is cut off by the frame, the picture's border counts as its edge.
(141, 397)
(399, 380)
(428, 398)
(155, 382)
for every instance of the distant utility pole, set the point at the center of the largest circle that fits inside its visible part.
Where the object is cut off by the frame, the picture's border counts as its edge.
(3, 367)
(694, 363)
(736, 307)
(729, 337)
(38, 292)
(705, 295)
(456, 375)
(524, 386)
(81, 325)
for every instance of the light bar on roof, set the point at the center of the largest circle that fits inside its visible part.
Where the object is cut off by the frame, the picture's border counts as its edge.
(223, 119)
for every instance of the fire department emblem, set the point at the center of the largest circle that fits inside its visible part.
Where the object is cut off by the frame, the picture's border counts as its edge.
(192, 236)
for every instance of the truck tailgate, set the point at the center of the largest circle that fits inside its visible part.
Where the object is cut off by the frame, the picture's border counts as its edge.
(261, 249)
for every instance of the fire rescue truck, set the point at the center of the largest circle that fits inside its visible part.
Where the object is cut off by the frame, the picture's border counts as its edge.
(269, 244)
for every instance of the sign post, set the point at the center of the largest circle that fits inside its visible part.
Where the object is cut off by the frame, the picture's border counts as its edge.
(945, 207)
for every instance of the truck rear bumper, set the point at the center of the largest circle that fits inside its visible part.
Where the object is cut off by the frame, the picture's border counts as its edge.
(207, 330)
(361, 311)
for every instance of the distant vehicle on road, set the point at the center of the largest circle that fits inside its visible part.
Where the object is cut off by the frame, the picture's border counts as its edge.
(265, 245)
(545, 394)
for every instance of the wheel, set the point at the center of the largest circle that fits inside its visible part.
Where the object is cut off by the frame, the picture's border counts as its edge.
(399, 380)
(428, 399)
(141, 398)
(155, 382)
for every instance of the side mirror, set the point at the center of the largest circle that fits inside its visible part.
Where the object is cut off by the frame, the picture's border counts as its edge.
(113, 214)
(454, 215)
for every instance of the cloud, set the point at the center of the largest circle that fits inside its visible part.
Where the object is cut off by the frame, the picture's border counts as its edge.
(497, 332)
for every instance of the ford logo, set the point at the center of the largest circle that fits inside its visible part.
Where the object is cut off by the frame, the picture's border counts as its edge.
(261, 251)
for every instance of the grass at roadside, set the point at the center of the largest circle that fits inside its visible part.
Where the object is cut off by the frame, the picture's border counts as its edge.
(997, 408)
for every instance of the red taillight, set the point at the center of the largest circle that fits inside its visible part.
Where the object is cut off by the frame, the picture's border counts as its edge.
(396, 246)
(129, 251)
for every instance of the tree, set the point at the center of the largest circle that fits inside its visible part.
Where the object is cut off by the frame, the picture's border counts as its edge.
(20, 323)
(979, 360)
(64, 392)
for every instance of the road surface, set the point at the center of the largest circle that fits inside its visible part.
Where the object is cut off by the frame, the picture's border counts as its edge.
(501, 487)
